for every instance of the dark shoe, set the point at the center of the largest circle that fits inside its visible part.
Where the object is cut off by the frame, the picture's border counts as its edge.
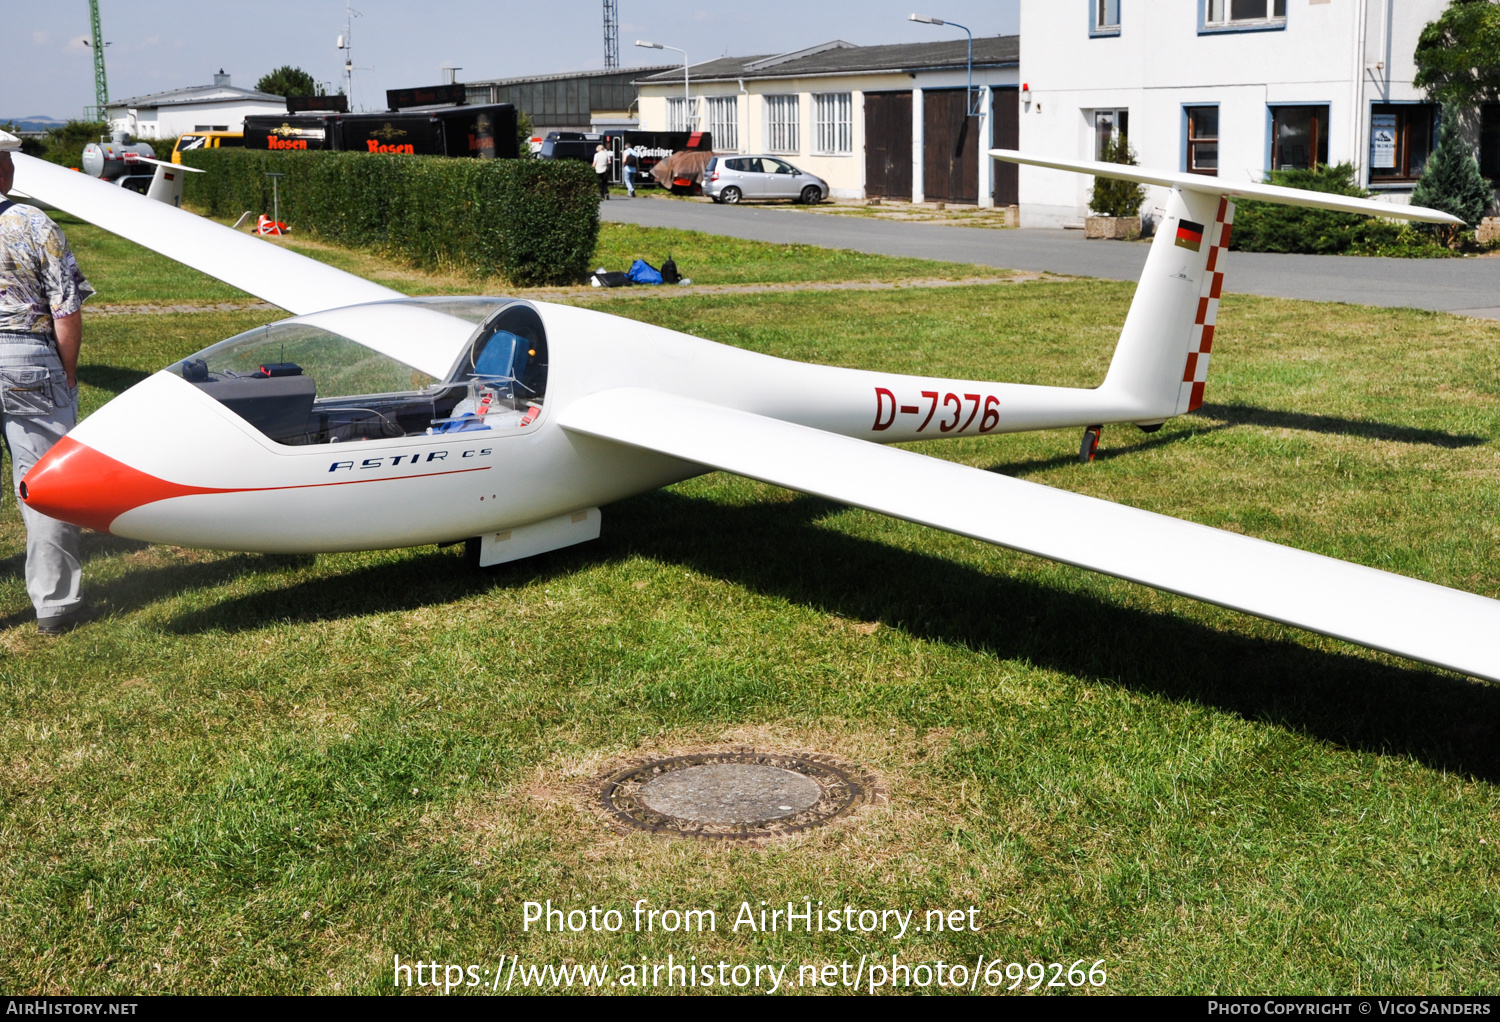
(63, 623)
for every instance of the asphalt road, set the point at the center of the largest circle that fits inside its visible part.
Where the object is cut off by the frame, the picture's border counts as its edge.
(1467, 286)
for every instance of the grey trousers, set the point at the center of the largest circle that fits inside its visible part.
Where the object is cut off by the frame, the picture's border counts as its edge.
(37, 407)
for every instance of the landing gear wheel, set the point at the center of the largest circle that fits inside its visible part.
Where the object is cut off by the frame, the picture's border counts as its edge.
(731, 195)
(1090, 445)
(811, 195)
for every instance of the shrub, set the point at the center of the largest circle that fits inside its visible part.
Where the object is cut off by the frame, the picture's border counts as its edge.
(534, 221)
(1273, 227)
(1451, 182)
(1113, 197)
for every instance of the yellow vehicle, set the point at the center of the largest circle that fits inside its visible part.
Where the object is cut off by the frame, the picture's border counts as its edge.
(207, 140)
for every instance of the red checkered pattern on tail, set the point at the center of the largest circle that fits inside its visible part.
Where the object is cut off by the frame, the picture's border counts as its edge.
(1195, 373)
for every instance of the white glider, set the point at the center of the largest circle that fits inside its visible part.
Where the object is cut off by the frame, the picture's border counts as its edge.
(370, 420)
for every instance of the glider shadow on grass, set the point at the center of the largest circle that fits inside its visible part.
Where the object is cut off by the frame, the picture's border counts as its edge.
(779, 550)
(1221, 417)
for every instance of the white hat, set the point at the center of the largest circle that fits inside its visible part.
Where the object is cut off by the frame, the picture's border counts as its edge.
(9, 143)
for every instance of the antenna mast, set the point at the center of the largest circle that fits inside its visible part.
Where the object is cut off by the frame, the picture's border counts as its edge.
(346, 43)
(611, 33)
(101, 87)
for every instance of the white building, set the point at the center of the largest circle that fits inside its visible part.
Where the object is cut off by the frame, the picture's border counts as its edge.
(873, 121)
(216, 107)
(1226, 87)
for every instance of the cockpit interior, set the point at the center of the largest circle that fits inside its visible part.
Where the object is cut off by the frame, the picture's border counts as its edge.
(303, 383)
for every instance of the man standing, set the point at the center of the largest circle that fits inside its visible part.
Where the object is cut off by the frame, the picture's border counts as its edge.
(41, 326)
(630, 162)
(602, 160)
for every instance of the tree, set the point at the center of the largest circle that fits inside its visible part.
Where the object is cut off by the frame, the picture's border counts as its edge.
(1113, 197)
(288, 81)
(1451, 182)
(524, 129)
(1458, 55)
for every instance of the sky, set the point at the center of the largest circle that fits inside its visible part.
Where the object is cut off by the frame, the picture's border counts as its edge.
(167, 44)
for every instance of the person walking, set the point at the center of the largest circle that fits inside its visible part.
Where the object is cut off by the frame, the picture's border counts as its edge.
(41, 328)
(602, 160)
(630, 164)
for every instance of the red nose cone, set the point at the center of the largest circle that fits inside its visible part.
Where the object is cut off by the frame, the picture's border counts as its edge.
(77, 484)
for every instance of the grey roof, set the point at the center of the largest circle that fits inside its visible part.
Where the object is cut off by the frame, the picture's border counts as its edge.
(561, 75)
(197, 94)
(834, 59)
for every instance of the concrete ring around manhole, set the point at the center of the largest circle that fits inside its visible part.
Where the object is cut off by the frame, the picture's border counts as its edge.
(735, 794)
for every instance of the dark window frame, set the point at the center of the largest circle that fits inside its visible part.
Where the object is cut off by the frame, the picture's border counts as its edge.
(1318, 134)
(1489, 141)
(1098, 26)
(1403, 173)
(1274, 22)
(1194, 138)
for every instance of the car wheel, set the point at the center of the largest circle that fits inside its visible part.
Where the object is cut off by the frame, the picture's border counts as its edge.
(811, 195)
(730, 195)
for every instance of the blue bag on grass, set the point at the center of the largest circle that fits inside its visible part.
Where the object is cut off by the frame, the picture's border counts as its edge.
(643, 272)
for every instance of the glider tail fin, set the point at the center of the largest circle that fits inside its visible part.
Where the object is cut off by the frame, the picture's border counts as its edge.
(1161, 360)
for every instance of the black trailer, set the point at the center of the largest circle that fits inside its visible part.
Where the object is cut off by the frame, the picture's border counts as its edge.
(651, 147)
(482, 132)
(292, 131)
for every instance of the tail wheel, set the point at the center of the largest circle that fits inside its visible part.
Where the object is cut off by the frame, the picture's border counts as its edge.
(1090, 445)
(730, 195)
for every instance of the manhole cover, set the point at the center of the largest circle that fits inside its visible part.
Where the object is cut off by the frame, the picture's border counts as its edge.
(736, 794)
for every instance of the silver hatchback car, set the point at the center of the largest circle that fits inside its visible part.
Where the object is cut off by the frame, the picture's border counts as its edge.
(732, 179)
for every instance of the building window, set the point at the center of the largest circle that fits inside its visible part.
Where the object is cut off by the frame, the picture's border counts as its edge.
(1489, 141)
(681, 115)
(781, 124)
(1104, 17)
(1400, 140)
(1299, 137)
(724, 122)
(1203, 140)
(833, 123)
(1244, 13)
(1107, 125)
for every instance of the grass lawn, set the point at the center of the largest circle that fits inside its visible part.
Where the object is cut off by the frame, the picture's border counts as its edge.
(128, 274)
(274, 774)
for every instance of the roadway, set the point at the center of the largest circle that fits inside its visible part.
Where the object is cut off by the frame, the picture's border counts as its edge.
(1466, 286)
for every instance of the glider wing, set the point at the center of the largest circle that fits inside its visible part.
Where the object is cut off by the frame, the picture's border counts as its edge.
(1410, 618)
(1219, 186)
(282, 277)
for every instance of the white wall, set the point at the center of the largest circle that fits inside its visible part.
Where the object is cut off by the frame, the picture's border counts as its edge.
(170, 121)
(1159, 63)
(845, 174)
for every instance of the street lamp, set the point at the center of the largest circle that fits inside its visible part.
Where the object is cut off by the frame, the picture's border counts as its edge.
(969, 89)
(687, 98)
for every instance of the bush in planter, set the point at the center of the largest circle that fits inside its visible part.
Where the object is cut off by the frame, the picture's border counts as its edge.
(1113, 197)
(534, 221)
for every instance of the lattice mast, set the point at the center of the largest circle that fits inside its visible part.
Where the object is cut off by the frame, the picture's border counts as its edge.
(611, 33)
(101, 86)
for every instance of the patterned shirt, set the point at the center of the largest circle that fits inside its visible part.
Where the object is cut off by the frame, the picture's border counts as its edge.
(39, 278)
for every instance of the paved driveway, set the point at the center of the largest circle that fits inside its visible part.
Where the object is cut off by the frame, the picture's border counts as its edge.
(1469, 286)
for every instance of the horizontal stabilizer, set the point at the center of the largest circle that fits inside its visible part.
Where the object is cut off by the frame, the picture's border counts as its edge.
(1219, 186)
(278, 275)
(1378, 609)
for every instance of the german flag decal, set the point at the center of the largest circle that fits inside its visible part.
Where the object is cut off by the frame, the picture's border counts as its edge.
(1189, 235)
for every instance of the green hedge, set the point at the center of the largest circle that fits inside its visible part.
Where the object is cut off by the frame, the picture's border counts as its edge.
(534, 221)
(1273, 227)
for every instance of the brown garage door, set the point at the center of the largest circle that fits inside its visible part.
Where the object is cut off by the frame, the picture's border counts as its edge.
(1007, 118)
(888, 145)
(950, 165)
